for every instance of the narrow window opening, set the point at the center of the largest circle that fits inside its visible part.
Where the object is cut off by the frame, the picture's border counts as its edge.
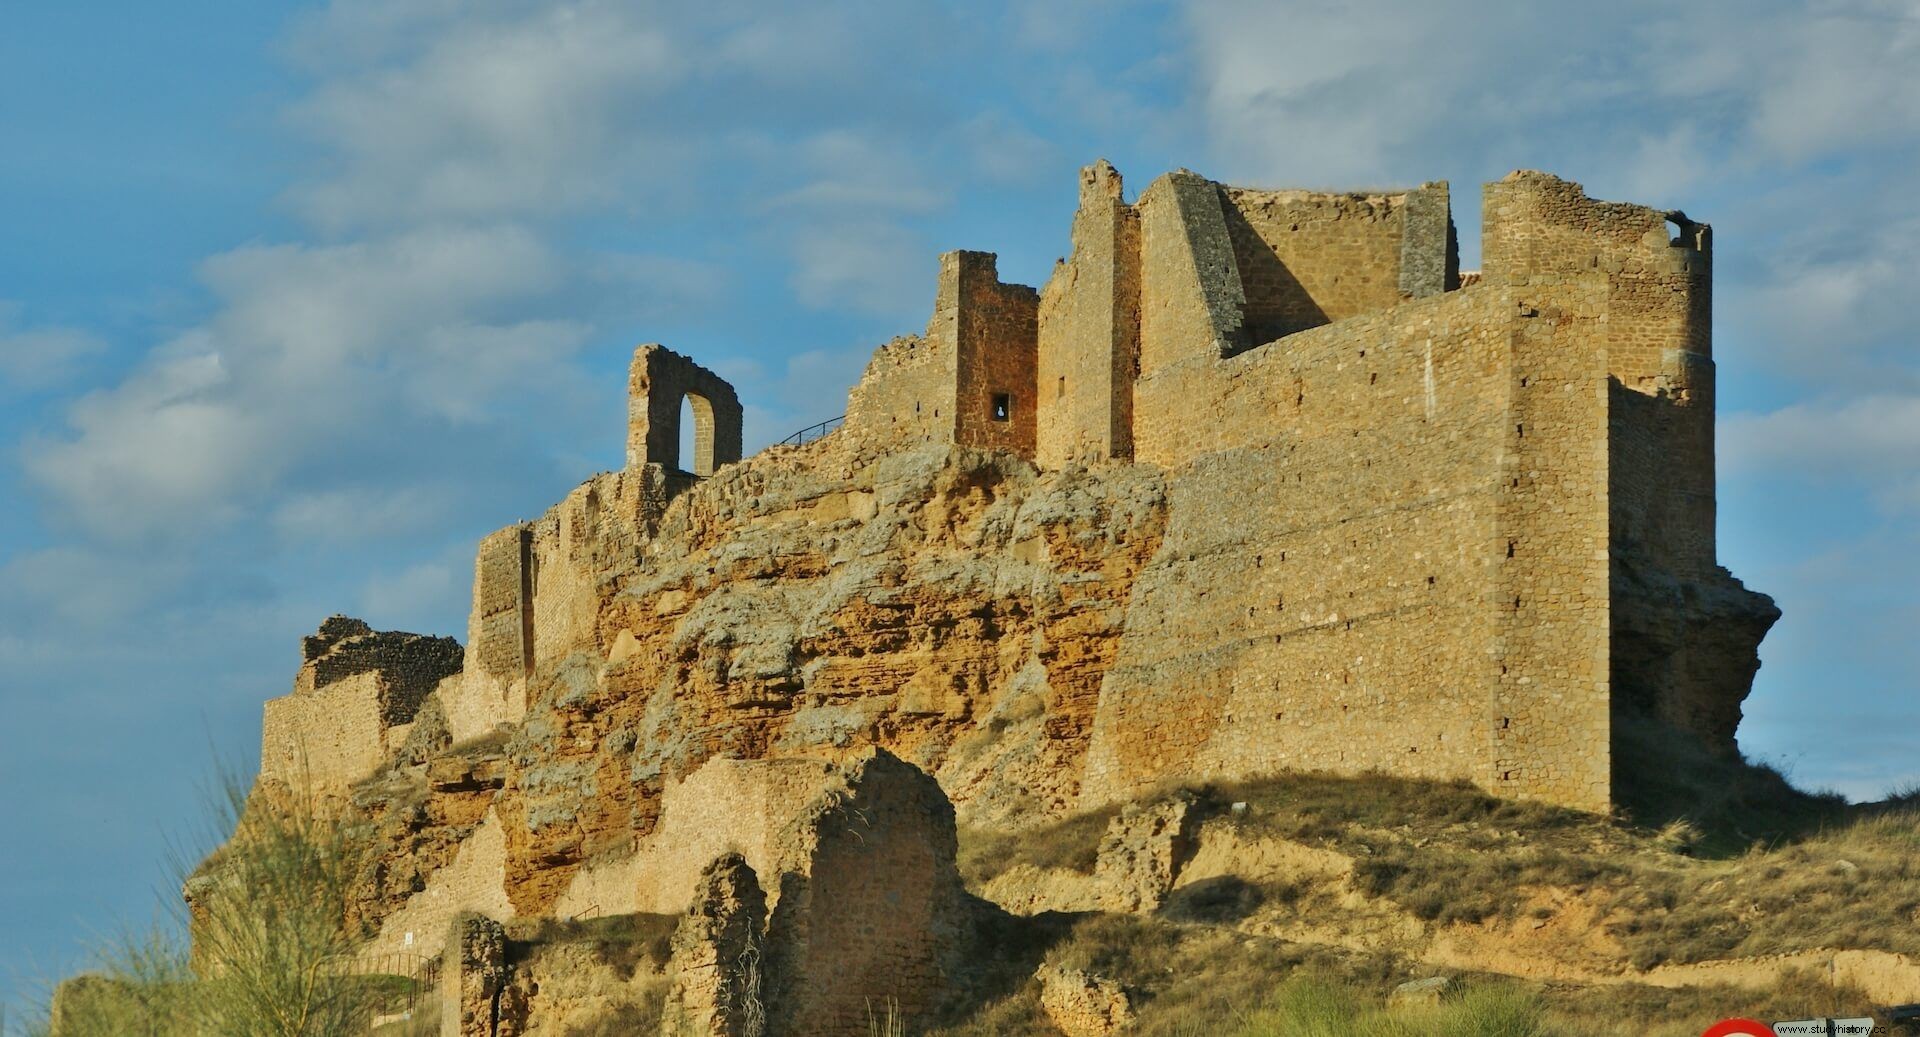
(1002, 406)
(1063, 387)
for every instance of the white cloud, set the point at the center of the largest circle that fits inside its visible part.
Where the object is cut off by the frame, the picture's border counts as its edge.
(869, 265)
(408, 599)
(1385, 90)
(539, 111)
(310, 341)
(1872, 439)
(36, 358)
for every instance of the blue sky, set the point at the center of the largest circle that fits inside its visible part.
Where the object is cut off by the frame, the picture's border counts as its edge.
(298, 300)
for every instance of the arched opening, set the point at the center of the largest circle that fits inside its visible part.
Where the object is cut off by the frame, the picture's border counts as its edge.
(696, 433)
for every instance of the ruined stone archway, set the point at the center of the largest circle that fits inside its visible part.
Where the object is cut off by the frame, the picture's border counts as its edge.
(659, 380)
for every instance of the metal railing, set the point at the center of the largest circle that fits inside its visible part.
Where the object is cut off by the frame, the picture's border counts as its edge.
(813, 432)
(420, 972)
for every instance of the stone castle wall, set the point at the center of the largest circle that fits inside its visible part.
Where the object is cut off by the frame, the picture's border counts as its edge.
(1089, 331)
(353, 703)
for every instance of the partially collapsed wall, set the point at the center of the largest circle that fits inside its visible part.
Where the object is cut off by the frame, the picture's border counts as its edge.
(1259, 480)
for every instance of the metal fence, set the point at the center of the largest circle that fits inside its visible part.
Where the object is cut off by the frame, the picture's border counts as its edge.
(813, 432)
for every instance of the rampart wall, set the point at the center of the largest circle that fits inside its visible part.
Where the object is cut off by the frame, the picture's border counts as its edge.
(1351, 633)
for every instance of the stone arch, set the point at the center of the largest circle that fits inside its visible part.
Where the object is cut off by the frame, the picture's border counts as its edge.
(659, 380)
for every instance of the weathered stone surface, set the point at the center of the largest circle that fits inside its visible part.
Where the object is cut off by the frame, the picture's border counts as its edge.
(1082, 1004)
(1141, 854)
(717, 952)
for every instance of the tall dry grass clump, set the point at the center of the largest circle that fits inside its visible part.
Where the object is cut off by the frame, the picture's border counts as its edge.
(270, 950)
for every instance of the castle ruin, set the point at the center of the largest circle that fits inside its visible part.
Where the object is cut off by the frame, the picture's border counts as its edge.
(1258, 480)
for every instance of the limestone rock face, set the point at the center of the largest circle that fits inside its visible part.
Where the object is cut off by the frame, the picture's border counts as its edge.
(964, 624)
(1082, 1004)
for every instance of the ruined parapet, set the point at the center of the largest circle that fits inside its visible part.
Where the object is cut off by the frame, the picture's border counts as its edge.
(477, 1000)
(869, 915)
(353, 702)
(657, 382)
(1225, 269)
(1082, 1004)
(717, 951)
(1192, 303)
(1089, 334)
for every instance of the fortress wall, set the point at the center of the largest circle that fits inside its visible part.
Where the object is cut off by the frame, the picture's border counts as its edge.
(325, 739)
(1089, 331)
(1551, 704)
(997, 337)
(1307, 259)
(1658, 338)
(907, 392)
(1355, 633)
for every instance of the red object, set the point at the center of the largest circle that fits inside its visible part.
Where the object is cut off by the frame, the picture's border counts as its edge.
(1739, 1028)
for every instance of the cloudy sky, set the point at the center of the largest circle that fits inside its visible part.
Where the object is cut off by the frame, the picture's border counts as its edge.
(298, 300)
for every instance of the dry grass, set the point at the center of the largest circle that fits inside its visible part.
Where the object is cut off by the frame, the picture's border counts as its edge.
(1071, 843)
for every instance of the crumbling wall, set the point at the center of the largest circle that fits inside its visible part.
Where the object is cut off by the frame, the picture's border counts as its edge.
(869, 917)
(1089, 331)
(907, 392)
(353, 702)
(717, 949)
(474, 881)
(538, 586)
(476, 999)
(995, 329)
